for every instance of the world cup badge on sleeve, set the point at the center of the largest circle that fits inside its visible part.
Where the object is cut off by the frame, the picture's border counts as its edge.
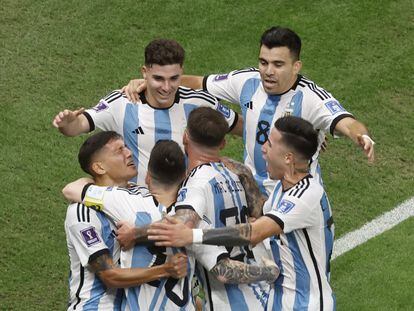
(90, 236)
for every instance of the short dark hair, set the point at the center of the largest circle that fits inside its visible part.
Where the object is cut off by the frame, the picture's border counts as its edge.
(278, 37)
(92, 146)
(299, 135)
(167, 163)
(207, 126)
(164, 52)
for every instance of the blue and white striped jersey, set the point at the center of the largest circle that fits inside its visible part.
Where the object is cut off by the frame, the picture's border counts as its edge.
(218, 197)
(303, 251)
(136, 204)
(142, 125)
(88, 235)
(260, 111)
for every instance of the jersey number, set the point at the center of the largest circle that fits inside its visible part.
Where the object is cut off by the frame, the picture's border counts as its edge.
(262, 132)
(242, 218)
(171, 282)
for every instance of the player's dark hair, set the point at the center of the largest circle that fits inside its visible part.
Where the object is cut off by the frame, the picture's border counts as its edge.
(299, 135)
(207, 126)
(92, 146)
(164, 52)
(167, 163)
(278, 37)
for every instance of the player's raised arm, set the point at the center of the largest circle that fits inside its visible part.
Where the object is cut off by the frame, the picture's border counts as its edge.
(358, 132)
(114, 277)
(73, 191)
(71, 123)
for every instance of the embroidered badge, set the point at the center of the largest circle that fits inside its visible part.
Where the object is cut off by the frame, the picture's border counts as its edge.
(285, 206)
(90, 236)
(100, 106)
(334, 107)
(182, 195)
(225, 111)
(221, 77)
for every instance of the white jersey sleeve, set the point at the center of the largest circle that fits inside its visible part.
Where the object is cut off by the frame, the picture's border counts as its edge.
(85, 237)
(108, 113)
(297, 208)
(229, 86)
(116, 202)
(192, 196)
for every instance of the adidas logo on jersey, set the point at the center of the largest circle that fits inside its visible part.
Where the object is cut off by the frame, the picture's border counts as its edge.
(138, 130)
(249, 105)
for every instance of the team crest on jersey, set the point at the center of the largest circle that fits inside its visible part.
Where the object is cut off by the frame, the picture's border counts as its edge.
(285, 206)
(182, 195)
(224, 110)
(334, 107)
(100, 106)
(221, 77)
(90, 236)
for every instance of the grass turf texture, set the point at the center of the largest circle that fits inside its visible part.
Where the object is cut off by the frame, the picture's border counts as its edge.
(57, 55)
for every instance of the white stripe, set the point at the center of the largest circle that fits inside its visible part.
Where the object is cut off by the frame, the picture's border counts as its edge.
(374, 228)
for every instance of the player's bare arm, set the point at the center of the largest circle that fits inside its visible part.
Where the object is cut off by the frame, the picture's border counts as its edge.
(236, 272)
(73, 191)
(114, 277)
(254, 197)
(71, 123)
(176, 234)
(358, 132)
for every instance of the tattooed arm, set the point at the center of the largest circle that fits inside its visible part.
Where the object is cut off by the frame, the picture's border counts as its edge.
(175, 233)
(113, 276)
(255, 199)
(128, 235)
(232, 271)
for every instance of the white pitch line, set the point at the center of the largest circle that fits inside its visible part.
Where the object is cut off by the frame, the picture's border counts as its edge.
(373, 228)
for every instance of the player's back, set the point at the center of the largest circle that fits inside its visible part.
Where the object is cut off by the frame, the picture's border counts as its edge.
(218, 197)
(89, 233)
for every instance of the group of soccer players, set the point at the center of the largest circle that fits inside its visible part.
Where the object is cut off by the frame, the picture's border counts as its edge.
(199, 203)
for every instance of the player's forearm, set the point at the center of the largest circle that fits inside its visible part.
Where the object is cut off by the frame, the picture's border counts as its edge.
(238, 235)
(78, 126)
(231, 271)
(193, 82)
(121, 277)
(351, 128)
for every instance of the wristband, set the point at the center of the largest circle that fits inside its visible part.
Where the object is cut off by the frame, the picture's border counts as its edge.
(197, 236)
(369, 138)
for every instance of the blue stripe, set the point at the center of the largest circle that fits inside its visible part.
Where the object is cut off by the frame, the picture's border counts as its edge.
(297, 101)
(218, 203)
(162, 124)
(263, 126)
(157, 294)
(187, 109)
(246, 95)
(131, 122)
(132, 298)
(98, 288)
(302, 291)
(319, 172)
(329, 235)
(278, 288)
(118, 299)
(276, 191)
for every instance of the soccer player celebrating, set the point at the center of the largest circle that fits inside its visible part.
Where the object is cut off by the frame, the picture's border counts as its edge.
(274, 90)
(93, 250)
(162, 113)
(211, 196)
(299, 222)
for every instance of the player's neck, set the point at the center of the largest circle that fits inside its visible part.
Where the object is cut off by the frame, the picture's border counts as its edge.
(109, 182)
(293, 175)
(165, 196)
(201, 155)
(155, 104)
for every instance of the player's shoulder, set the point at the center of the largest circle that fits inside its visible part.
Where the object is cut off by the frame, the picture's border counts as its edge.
(199, 175)
(191, 95)
(131, 189)
(250, 71)
(312, 91)
(79, 213)
(306, 189)
(115, 96)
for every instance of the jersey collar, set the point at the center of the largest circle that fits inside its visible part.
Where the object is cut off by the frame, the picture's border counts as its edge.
(144, 100)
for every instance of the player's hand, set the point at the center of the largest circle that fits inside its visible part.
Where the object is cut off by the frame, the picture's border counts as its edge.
(125, 235)
(177, 266)
(172, 233)
(133, 88)
(367, 144)
(273, 268)
(65, 117)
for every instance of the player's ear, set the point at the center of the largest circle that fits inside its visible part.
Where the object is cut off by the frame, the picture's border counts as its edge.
(98, 168)
(297, 66)
(289, 158)
(185, 138)
(144, 70)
